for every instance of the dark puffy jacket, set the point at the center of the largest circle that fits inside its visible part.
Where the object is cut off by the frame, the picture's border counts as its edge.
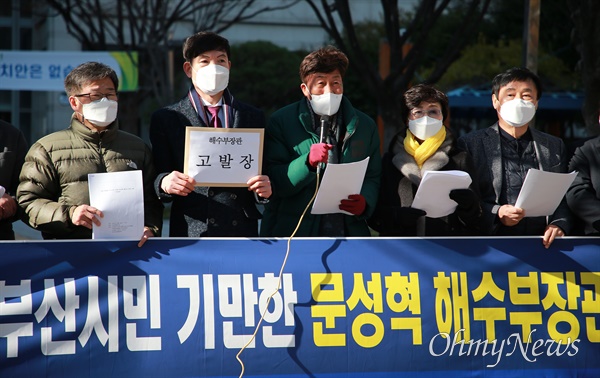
(54, 178)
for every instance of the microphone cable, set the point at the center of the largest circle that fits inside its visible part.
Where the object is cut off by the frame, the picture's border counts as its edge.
(324, 119)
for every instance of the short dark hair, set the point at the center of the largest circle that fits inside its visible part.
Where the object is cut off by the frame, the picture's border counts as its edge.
(516, 74)
(204, 41)
(419, 93)
(87, 72)
(324, 60)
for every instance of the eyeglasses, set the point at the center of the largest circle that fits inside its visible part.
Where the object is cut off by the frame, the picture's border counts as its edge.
(98, 96)
(433, 113)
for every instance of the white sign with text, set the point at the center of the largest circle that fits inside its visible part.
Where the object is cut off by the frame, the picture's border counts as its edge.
(223, 157)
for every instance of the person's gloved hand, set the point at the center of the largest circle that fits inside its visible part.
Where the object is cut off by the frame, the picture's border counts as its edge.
(596, 225)
(468, 203)
(319, 152)
(407, 216)
(355, 204)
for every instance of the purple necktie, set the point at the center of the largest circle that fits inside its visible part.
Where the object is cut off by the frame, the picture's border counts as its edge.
(214, 112)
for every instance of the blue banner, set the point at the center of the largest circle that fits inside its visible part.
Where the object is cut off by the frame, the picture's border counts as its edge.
(45, 70)
(379, 307)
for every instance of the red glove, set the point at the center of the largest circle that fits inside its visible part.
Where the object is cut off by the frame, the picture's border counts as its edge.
(355, 204)
(319, 152)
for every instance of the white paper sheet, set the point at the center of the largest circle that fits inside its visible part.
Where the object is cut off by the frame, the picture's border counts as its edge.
(433, 194)
(339, 181)
(120, 196)
(542, 192)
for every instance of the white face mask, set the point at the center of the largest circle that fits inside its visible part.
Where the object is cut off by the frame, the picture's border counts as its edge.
(212, 79)
(424, 127)
(326, 104)
(517, 112)
(100, 113)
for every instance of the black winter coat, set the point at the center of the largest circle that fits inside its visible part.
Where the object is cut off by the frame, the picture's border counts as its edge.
(484, 147)
(13, 149)
(583, 196)
(207, 211)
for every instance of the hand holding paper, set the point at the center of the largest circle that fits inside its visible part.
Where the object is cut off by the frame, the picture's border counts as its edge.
(339, 182)
(177, 183)
(468, 203)
(510, 215)
(355, 204)
(85, 215)
(542, 192)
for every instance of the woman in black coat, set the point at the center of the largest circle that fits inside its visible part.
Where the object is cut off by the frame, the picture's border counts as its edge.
(426, 145)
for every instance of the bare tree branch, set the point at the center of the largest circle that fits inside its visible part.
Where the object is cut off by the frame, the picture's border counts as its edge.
(473, 19)
(145, 26)
(402, 66)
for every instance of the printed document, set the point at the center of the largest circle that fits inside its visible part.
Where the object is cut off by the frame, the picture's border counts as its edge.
(339, 181)
(120, 196)
(433, 194)
(542, 192)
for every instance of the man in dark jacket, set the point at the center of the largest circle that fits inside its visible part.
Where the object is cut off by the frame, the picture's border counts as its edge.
(205, 211)
(505, 151)
(583, 196)
(54, 180)
(13, 148)
(293, 151)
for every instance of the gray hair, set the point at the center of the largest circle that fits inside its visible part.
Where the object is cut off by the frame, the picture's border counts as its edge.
(87, 72)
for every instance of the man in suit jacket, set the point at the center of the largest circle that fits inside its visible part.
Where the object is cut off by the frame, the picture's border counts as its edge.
(505, 151)
(205, 211)
(583, 196)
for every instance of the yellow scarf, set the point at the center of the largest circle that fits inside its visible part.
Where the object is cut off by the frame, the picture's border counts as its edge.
(422, 152)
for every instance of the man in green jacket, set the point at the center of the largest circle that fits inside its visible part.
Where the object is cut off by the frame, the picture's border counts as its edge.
(53, 187)
(296, 149)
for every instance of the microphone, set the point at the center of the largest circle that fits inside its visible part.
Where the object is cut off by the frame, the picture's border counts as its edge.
(324, 122)
(324, 127)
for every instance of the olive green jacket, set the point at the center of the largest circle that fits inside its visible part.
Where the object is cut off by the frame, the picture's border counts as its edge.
(54, 178)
